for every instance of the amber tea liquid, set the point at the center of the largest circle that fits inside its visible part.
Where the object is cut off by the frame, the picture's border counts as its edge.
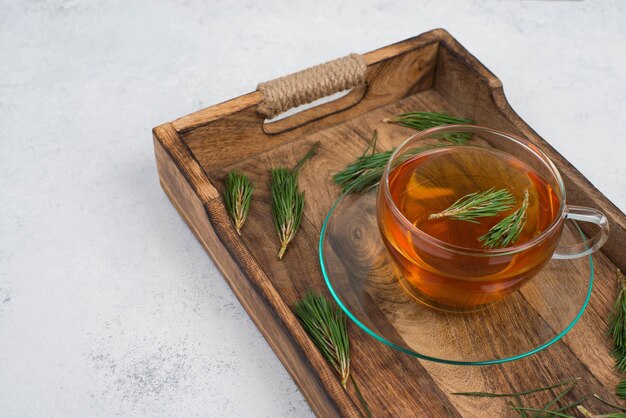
(432, 181)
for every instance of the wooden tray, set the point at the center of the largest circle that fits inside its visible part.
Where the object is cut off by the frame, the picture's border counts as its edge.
(429, 72)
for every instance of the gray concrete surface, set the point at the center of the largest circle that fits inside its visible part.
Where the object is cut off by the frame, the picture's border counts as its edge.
(108, 305)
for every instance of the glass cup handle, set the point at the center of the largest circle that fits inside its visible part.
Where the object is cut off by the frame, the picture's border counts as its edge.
(580, 249)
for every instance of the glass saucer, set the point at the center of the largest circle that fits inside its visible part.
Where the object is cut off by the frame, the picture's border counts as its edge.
(366, 284)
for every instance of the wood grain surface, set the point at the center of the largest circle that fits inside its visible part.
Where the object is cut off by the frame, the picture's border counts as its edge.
(429, 72)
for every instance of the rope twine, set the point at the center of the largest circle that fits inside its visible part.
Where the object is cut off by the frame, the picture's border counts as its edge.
(305, 86)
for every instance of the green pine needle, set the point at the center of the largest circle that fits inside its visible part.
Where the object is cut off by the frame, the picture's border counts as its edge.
(425, 120)
(287, 201)
(558, 397)
(612, 405)
(237, 197)
(526, 392)
(508, 230)
(572, 405)
(523, 414)
(367, 170)
(326, 325)
(478, 205)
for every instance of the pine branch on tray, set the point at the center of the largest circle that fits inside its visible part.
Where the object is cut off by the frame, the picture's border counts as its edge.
(287, 200)
(367, 170)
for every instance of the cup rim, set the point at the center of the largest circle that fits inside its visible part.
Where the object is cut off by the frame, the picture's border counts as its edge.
(466, 250)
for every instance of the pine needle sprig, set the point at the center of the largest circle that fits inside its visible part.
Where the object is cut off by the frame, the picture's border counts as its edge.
(287, 206)
(326, 325)
(287, 201)
(237, 197)
(617, 324)
(508, 230)
(367, 169)
(478, 205)
(425, 120)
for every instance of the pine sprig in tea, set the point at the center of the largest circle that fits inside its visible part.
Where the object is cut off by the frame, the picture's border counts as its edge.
(287, 201)
(326, 325)
(508, 230)
(425, 120)
(237, 197)
(478, 205)
(367, 170)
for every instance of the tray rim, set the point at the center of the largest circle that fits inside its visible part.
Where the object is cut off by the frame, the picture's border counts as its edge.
(168, 140)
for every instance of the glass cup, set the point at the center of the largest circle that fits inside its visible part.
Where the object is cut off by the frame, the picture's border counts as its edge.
(455, 278)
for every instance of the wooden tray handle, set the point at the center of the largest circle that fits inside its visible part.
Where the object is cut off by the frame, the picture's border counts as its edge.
(284, 93)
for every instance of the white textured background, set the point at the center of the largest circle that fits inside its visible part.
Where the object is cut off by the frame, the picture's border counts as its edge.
(108, 305)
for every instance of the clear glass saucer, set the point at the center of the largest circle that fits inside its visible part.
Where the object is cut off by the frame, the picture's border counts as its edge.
(367, 286)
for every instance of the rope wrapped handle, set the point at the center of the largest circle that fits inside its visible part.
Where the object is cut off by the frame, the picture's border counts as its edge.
(284, 93)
